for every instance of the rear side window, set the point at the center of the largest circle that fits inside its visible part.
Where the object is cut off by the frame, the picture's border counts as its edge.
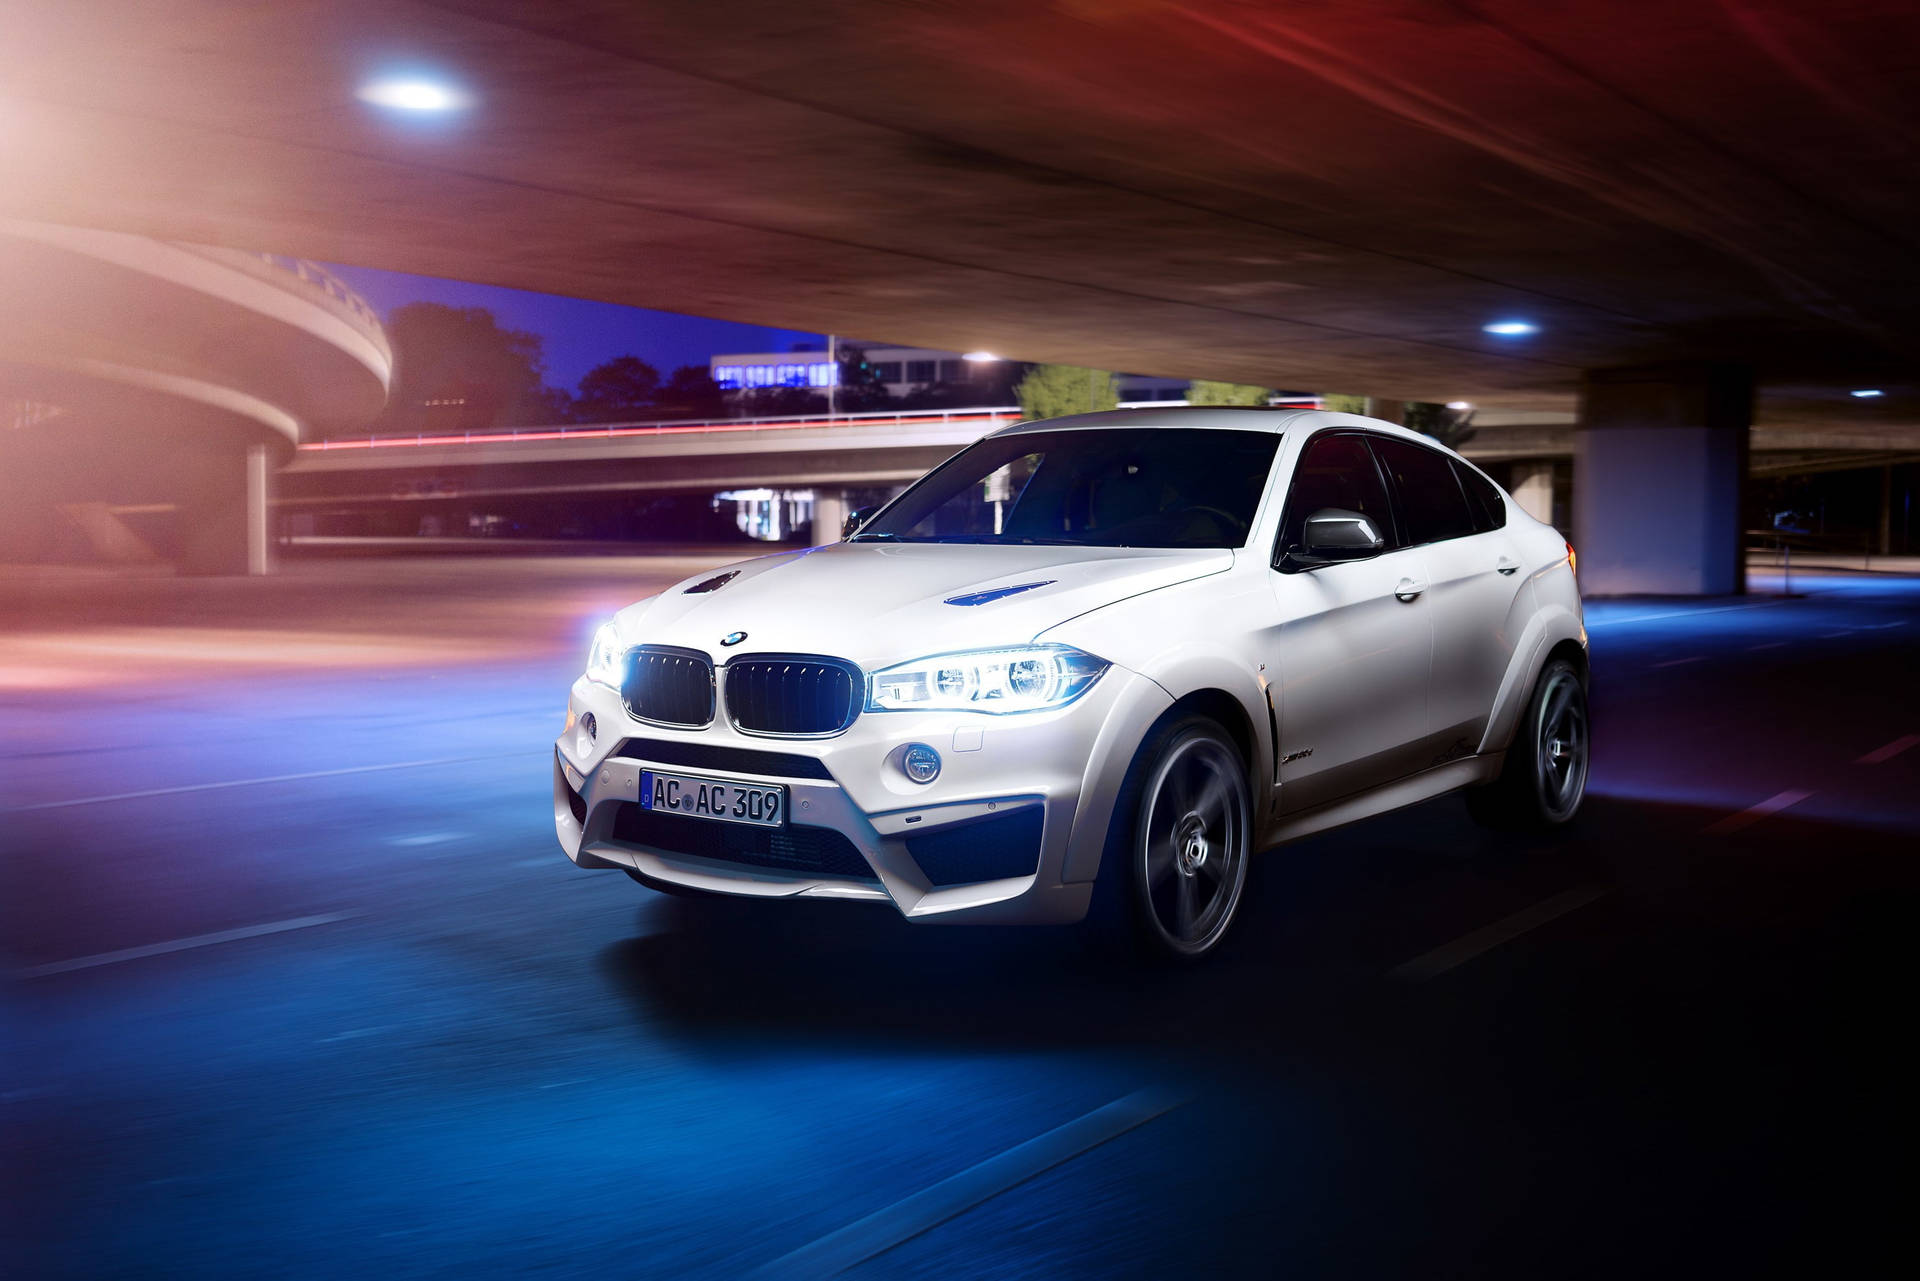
(1433, 507)
(1335, 471)
(1489, 510)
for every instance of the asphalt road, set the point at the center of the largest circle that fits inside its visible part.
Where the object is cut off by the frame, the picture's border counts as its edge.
(299, 985)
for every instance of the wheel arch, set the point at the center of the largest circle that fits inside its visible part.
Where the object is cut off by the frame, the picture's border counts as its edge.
(1552, 633)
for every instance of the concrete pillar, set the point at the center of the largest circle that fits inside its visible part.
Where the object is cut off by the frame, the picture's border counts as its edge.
(1391, 411)
(829, 513)
(1885, 539)
(1533, 489)
(1660, 462)
(225, 522)
(259, 513)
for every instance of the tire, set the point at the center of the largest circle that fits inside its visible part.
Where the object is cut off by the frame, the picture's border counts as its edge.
(1545, 775)
(1181, 839)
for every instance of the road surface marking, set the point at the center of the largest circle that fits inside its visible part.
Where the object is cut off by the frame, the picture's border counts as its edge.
(1890, 751)
(183, 945)
(1754, 813)
(255, 782)
(1768, 645)
(1676, 662)
(427, 838)
(1678, 613)
(1463, 949)
(1878, 627)
(903, 1220)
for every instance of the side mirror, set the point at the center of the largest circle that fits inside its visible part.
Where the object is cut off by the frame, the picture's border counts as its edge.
(1332, 535)
(856, 518)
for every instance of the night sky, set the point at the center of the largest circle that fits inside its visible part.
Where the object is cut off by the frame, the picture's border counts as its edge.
(578, 334)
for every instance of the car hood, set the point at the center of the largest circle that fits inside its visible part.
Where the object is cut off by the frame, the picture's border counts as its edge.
(880, 603)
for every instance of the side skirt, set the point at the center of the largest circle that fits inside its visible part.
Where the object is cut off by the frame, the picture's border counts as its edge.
(1410, 790)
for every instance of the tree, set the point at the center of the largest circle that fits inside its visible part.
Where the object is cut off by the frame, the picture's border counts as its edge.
(1203, 391)
(1451, 427)
(621, 388)
(860, 389)
(690, 392)
(457, 368)
(1048, 391)
(1340, 404)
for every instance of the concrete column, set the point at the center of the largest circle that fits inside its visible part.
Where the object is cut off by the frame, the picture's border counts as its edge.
(1533, 489)
(829, 513)
(1660, 461)
(259, 514)
(1391, 411)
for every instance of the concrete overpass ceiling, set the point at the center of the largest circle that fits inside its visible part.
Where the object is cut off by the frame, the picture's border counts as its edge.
(1336, 196)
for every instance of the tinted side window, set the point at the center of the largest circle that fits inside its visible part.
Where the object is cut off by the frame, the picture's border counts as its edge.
(1335, 471)
(1432, 505)
(1489, 511)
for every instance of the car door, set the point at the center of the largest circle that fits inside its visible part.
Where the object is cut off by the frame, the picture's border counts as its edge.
(1353, 642)
(1473, 586)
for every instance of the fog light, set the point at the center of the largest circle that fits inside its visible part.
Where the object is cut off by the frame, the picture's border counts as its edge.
(921, 763)
(583, 745)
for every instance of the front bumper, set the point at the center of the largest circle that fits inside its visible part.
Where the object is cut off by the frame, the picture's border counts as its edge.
(1000, 773)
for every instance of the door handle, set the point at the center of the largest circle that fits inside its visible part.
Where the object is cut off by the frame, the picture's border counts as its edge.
(1507, 565)
(1407, 589)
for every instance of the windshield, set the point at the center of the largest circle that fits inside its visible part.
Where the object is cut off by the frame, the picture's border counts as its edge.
(1123, 487)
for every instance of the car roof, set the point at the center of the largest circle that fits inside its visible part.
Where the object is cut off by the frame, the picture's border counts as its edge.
(1230, 417)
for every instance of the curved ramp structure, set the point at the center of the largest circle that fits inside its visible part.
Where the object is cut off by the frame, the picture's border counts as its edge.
(143, 379)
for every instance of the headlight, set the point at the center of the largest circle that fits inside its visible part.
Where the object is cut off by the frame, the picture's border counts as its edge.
(1024, 678)
(606, 660)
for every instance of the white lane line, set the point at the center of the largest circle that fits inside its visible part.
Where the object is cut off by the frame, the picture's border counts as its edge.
(426, 838)
(904, 1220)
(183, 945)
(1677, 662)
(1891, 750)
(1677, 613)
(1768, 645)
(1879, 627)
(1463, 949)
(267, 778)
(1754, 813)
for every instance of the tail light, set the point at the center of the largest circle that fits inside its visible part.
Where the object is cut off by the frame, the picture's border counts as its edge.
(1572, 566)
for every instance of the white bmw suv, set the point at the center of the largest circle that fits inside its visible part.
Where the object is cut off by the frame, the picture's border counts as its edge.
(1123, 650)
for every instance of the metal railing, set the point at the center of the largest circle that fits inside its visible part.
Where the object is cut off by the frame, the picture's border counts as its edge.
(995, 414)
(674, 426)
(320, 285)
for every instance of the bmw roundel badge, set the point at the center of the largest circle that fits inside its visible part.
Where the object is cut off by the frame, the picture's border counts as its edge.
(733, 638)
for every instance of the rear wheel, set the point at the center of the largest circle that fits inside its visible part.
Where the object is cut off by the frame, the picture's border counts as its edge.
(1187, 839)
(1545, 776)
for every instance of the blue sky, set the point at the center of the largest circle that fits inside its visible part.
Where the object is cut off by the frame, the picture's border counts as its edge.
(579, 334)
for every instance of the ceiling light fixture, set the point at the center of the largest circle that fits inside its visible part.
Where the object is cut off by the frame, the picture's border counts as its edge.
(412, 95)
(1511, 328)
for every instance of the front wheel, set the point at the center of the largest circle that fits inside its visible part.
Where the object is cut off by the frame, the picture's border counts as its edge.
(1545, 776)
(1190, 837)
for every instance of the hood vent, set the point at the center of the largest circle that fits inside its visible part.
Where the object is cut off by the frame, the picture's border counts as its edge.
(713, 584)
(997, 593)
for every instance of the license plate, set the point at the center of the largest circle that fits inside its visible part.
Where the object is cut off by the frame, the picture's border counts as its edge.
(724, 800)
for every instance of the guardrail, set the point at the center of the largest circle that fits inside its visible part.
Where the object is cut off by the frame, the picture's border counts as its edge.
(998, 414)
(670, 427)
(321, 285)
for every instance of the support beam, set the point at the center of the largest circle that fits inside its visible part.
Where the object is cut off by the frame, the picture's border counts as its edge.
(1660, 461)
